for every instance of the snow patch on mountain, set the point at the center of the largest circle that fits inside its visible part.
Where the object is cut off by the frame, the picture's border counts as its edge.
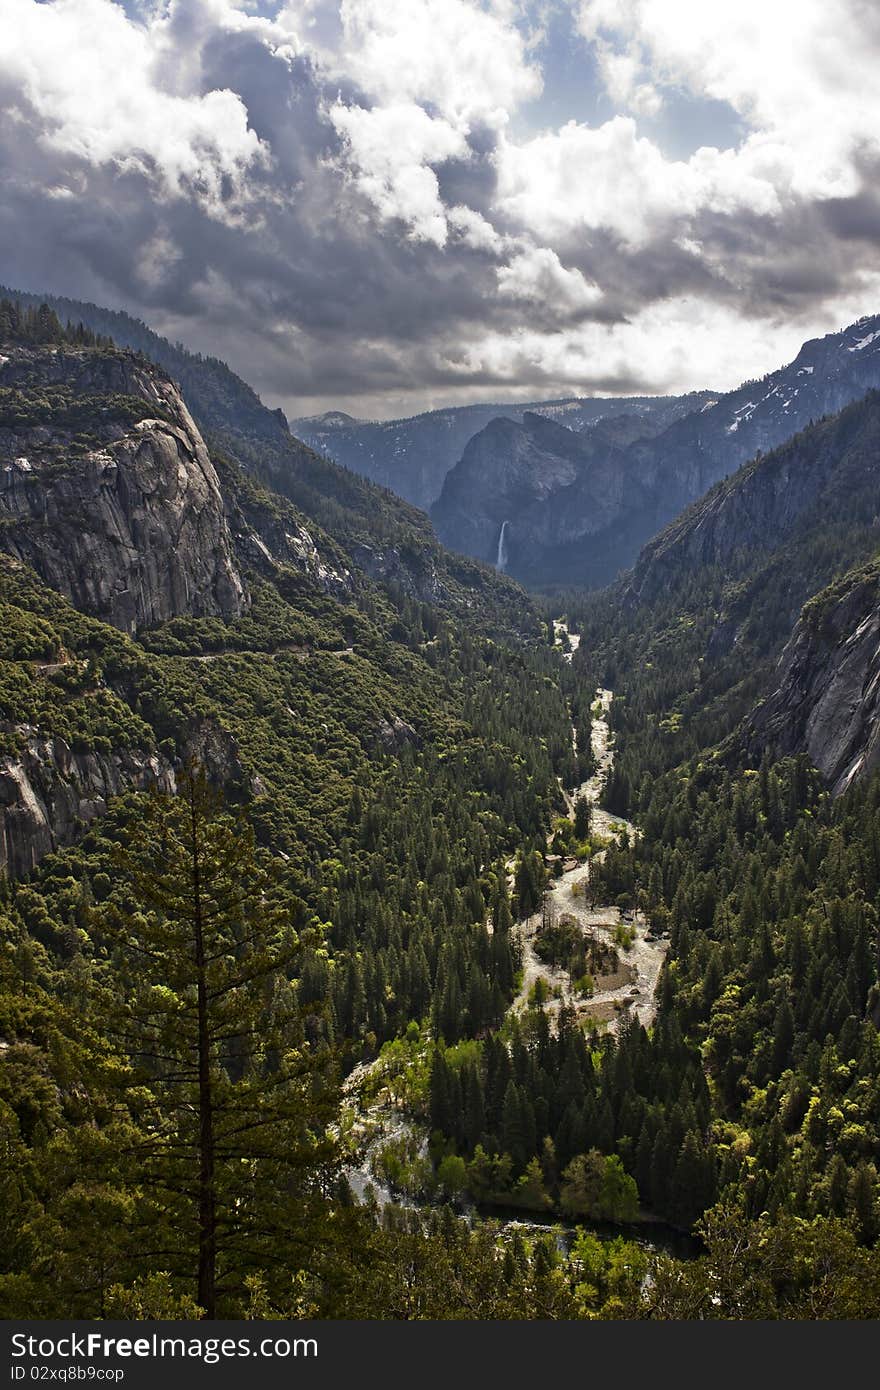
(864, 342)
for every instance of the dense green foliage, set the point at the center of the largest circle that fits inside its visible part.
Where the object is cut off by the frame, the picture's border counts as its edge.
(770, 891)
(389, 760)
(57, 408)
(161, 1106)
(37, 324)
(768, 887)
(526, 1110)
(393, 750)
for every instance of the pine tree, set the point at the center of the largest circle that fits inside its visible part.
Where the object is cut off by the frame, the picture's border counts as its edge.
(234, 1106)
(583, 817)
(783, 1037)
(513, 1128)
(864, 1202)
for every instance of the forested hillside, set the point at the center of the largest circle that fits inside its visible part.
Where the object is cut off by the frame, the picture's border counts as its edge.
(386, 760)
(272, 866)
(764, 875)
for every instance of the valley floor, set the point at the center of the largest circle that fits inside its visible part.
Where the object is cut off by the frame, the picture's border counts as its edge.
(382, 1120)
(633, 987)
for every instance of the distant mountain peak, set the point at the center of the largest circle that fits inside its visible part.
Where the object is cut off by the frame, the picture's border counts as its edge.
(331, 420)
(414, 456)
(634, 474)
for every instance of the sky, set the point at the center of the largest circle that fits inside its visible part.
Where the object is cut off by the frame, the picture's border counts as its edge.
(384, 206)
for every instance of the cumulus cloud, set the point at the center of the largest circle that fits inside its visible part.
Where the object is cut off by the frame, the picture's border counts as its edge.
(393, 149)
(360, 203)
(801, 73)
(538, 277)
(467, 61)
(88, 77)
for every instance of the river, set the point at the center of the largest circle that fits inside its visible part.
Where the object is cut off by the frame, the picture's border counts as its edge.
(631, 991)
(633, 988)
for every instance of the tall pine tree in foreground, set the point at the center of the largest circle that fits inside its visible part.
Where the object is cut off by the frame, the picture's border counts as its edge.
(233, 1107)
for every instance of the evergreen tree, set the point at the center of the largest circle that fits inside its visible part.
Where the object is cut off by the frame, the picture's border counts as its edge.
(583, 815)
(234, 1105)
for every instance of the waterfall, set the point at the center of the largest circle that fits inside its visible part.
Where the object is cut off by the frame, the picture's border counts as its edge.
(501, 561)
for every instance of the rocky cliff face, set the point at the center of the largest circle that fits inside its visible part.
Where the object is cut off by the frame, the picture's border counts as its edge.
(107, 490)
(48, 793)
(269, 535)
(592, 508)
(826, 696)
(415, 574)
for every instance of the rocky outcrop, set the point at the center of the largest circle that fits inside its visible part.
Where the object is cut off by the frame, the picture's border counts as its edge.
(107, 490)
(49, 793)
(826, 696)
(396, 733)
(216, 752)
(578, 510)
(269, 536)
(270, 548)
(550, 486)
(415, 572)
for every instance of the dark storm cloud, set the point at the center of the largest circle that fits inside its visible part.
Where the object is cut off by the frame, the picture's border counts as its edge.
(857, 218)
(300, 275)
(306, 254)
(633, 277)
(301, 289)
(472, 180)
(788, 263)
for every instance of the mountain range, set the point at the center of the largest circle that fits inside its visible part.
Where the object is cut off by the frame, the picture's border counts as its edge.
(577, 508)
(578, 485)
(412, 457)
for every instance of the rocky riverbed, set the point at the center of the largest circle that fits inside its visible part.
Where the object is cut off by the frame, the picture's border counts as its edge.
(629, 990)
(632, 988)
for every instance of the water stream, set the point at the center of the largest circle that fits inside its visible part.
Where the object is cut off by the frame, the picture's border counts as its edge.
(502, 557)
(633, 992)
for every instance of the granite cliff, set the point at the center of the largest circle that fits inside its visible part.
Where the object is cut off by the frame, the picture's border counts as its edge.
(107, 490)
(826, 696)
(49, 793)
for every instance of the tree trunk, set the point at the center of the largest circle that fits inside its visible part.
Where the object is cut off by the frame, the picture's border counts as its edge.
(207, 1196)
